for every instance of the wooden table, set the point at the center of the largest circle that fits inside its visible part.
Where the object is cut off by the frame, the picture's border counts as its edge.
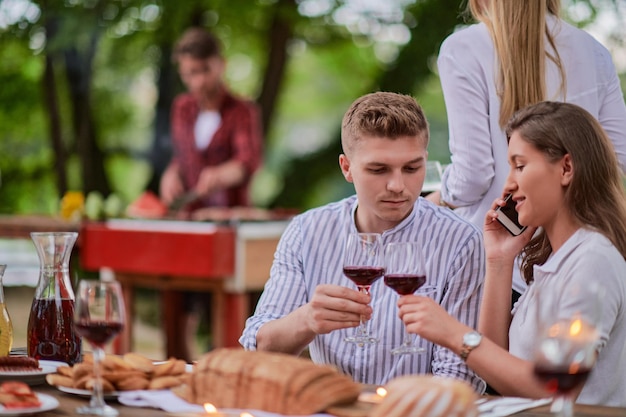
(22, 225)
(172, 256)
(68, 404)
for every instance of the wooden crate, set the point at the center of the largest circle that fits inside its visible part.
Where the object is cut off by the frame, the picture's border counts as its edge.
(255, 246)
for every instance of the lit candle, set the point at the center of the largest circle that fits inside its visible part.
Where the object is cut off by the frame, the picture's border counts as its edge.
(212, 411)
(373, 397)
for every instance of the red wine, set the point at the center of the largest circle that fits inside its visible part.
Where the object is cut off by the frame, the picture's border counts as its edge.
(404, 284)
(51, 334)
(363, 276)
(561, 380)
(98, 333)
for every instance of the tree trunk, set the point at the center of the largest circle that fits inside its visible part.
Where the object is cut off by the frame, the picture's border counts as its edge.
(51, 103)
(78, 68)
(279, 35)
(161, 151)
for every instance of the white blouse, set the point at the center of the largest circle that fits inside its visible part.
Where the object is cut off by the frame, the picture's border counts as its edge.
(586, 256)
(479, 164)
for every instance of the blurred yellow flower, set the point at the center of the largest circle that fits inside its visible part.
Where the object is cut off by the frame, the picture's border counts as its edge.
(72, 205)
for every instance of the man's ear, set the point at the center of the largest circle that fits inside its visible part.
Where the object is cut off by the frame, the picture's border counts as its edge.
(567, 170)
(344, 164)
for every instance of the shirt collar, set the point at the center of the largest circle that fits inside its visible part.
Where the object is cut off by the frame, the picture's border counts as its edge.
(407, 220)
(557, 258)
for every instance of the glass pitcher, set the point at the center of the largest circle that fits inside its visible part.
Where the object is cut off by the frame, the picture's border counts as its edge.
(6, 326)
(50, 333)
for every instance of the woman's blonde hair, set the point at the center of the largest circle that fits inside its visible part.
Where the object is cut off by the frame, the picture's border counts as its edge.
(519, 32)
(595, 196)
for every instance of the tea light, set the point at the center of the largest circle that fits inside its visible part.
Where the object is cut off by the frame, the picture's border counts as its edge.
(212, 411)
(373, 397)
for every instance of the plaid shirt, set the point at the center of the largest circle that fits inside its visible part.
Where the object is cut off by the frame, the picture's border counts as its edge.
(238, 138)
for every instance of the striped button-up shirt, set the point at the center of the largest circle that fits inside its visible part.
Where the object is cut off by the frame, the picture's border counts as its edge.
(310, 253)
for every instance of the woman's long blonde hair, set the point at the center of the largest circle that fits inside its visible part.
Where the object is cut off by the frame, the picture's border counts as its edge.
(519, 32)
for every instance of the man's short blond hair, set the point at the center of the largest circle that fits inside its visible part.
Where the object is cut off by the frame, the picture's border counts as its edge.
(383, 115)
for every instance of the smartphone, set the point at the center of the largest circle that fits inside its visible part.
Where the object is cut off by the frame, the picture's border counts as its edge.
(507, 216)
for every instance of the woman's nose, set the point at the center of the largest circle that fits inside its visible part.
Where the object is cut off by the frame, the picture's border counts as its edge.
(510, 185)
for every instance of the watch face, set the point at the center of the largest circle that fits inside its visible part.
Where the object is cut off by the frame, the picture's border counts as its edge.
(472, 339)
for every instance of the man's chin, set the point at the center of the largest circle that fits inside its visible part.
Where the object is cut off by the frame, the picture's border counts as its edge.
(394, 216)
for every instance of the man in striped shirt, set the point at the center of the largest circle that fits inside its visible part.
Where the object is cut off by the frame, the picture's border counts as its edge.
(308, 302)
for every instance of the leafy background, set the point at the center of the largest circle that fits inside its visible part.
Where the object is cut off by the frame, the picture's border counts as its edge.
(86, 85)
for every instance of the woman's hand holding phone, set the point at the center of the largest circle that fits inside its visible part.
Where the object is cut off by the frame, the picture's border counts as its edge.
(507, 216)
(500, 242)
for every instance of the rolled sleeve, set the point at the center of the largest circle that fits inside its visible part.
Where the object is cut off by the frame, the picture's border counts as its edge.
(284, 292)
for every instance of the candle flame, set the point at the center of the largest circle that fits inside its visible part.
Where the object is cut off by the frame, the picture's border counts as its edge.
(381, 391)
(210, 408)
(575, 327)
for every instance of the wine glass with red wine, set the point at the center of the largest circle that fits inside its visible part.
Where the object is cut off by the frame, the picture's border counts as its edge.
(565, 349)
(98, 317)
(363, 264)
(405, 273)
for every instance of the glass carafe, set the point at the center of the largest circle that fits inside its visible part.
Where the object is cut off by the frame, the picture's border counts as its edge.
(6, 327)
(51, 334)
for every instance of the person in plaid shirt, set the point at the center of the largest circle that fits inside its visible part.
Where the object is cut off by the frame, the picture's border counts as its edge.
(217, 143)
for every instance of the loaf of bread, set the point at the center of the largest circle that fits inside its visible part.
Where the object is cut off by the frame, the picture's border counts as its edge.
(279, 383)
(427, 396)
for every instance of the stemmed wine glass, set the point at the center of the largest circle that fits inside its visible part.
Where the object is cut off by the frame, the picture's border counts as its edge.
(363, 264)
(565, 351)
(405, 273)
(98, 317)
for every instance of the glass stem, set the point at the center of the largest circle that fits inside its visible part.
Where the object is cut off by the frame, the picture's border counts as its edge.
(562, 406)
(567, 407)
(362, 322)
(408, 338)
(97, 399)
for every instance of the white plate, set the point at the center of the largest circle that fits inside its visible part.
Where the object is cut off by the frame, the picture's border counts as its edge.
(47, 403)
(87, 393)
(33, 377)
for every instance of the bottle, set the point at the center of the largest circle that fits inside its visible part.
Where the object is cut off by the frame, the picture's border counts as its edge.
(6, 326)
(50, 332)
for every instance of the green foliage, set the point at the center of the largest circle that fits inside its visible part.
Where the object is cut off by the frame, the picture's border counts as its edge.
(329, 65)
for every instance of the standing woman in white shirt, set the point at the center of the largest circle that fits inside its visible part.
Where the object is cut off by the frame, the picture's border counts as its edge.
(518, 54)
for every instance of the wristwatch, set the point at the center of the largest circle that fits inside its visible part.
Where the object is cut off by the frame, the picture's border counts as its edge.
(471, 341)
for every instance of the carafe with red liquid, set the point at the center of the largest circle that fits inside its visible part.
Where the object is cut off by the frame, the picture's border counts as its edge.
(51, 334)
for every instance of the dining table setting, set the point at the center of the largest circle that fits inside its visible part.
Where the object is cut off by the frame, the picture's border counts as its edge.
(65, 369)
(57, 401)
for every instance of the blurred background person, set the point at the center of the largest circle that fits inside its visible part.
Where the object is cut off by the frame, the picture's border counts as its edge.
(217, 143)
(518, 54)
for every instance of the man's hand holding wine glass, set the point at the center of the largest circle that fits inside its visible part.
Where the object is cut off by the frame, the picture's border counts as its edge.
(334, 307)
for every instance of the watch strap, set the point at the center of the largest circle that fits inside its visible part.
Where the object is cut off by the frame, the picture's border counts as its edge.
(465, 351)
